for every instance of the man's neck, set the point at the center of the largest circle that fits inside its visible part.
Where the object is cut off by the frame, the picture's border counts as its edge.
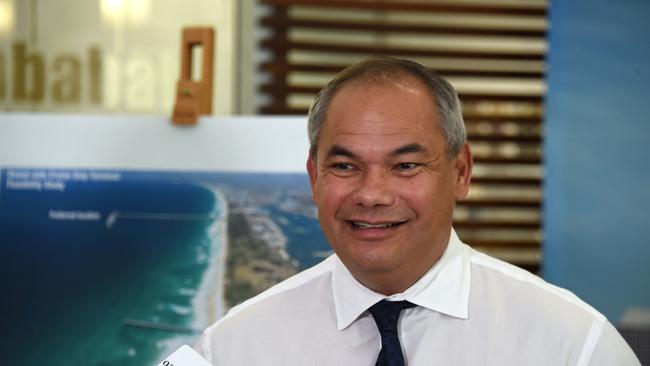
(398, 281)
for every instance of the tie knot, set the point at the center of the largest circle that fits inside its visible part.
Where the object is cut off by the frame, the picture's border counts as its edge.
(386, 314)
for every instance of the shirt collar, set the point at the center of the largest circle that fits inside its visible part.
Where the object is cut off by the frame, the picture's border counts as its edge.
(443, 288)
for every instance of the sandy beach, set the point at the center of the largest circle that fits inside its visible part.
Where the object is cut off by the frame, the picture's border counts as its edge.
(209, 303)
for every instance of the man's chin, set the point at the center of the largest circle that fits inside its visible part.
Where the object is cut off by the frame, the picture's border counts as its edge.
(377, 264)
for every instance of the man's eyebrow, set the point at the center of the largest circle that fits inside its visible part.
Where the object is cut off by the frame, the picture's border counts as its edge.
(337, 150)
(409, 149)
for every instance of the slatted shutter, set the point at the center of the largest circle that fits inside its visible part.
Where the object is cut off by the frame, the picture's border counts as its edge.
(493, 52)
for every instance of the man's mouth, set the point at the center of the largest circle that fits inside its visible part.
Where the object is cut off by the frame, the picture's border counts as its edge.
(368, 225)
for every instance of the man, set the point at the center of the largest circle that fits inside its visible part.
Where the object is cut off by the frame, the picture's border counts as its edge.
(388, 160)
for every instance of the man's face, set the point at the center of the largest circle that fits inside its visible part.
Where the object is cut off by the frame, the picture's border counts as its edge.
(383, 183)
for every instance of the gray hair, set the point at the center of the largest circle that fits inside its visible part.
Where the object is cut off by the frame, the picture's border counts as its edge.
(385, 69)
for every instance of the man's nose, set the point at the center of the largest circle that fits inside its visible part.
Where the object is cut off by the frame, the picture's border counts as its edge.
(374, 189)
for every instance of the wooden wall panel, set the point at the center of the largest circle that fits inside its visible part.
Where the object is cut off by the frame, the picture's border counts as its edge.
(493, 52)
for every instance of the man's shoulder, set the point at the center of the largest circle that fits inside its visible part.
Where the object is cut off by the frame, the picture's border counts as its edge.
(272, 304)
(497, 276)
(507, 296)
(278, 316)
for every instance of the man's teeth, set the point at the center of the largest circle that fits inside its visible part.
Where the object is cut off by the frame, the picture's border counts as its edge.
(365, 225)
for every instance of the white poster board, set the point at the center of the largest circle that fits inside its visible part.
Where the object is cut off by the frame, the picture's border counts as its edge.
(116, 231)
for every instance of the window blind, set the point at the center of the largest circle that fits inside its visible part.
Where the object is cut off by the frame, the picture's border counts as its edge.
(493, 52)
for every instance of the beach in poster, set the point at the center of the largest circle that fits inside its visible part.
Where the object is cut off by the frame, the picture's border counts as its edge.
(119, 267)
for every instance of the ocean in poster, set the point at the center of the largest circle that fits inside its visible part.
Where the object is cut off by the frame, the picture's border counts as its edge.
(89, 255)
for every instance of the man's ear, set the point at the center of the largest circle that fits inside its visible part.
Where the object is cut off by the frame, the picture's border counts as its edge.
(313, 174)
(463, 170)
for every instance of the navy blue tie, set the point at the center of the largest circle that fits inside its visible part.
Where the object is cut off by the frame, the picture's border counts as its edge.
(386, 314)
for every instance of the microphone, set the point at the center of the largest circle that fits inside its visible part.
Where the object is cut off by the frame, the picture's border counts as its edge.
(184, 356)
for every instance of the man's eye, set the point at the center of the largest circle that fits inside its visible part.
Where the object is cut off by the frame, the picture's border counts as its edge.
(342, 166)
(343, 169)
(406, 166)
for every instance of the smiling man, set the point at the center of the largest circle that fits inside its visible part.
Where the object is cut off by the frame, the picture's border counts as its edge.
(388, 160)
(385, 180)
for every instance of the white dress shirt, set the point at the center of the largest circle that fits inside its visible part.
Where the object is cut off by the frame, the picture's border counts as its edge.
(472, 310)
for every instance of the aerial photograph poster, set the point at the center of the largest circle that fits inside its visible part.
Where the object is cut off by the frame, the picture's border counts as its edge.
(120, 267)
